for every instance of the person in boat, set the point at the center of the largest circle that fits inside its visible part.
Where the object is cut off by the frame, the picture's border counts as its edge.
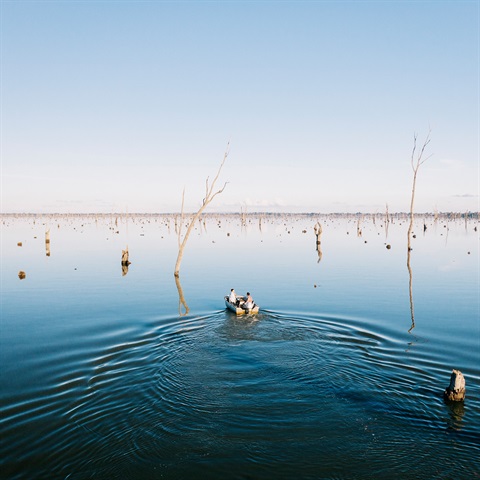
(249, 303)
(233, 297)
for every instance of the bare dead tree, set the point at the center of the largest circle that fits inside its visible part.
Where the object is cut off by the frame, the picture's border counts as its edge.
(210, 194)
(416, 161)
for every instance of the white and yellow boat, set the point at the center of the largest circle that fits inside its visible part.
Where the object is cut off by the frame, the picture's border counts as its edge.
(238, 309)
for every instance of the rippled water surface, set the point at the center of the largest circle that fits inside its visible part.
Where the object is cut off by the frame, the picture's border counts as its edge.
(107, 374)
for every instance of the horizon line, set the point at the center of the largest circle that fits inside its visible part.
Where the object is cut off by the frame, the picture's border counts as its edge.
(255, 213)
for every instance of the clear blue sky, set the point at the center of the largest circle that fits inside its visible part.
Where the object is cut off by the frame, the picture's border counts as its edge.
(118, 105)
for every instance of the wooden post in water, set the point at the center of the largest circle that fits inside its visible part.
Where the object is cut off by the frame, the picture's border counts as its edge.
(359, 228)
(243, 216)
(387, 220)
(125, 262)
(47, 242)
(455, 392)
(125, 257)
(318, 233)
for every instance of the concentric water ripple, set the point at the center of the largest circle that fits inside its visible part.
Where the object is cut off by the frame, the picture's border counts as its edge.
(262, 396)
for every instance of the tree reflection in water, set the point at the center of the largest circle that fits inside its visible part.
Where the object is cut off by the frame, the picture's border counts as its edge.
(410, 288)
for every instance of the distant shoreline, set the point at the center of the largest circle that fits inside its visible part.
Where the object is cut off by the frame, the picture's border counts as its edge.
(450, 215)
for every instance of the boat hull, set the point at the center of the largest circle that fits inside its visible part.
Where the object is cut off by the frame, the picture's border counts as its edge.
(240, 310)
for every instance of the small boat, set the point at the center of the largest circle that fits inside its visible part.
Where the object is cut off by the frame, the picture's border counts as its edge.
(238, 309)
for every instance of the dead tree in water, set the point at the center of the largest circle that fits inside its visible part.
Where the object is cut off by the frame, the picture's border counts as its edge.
(47, 242)
(318, 233)
(209, 196)
(359, 228)
(387, 220)
(125, 262)
(243, 216)
(416, 163)
(181, 298)
(455, 392)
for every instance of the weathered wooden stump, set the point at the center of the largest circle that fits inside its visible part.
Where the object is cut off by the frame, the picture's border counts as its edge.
(47, 242)
(455, 392)
(125, 261)
(318, 233)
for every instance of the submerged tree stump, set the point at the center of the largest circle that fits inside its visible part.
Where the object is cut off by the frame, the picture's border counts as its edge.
(455, 392)
(125, 261)
(47, 242)
(318, 233)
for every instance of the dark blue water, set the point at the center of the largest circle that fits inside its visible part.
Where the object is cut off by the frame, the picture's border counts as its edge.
(102, 377)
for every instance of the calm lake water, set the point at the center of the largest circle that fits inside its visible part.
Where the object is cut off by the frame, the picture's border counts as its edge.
(105, 376)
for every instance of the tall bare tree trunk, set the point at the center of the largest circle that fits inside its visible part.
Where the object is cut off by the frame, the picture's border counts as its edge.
(209, 196)
(416, 163)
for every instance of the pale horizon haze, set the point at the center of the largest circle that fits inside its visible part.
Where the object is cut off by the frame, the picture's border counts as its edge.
(117, 106)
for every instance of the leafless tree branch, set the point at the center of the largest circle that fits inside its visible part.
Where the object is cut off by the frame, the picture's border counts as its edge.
(209, 196)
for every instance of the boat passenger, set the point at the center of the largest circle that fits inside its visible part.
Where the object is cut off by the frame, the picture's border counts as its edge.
(248, 302)
(233, 297)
